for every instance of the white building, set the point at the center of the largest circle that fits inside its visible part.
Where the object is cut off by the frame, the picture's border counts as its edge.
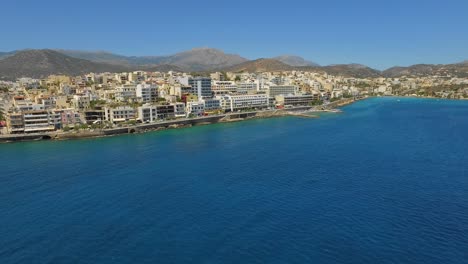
(179, 109)
(211, 104)
(147, 113)
(224, 86)
(200, 86)
(119, 114)
(41, 121)
(125, 92)
(275, 90)
(247, 87)
(238, 102)
(146, 93)
(304, 100)
(195, 108)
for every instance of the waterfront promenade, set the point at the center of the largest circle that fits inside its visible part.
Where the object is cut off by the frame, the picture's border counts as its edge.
(172, 124)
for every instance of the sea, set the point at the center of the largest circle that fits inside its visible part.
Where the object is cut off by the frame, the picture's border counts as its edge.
(385, 181)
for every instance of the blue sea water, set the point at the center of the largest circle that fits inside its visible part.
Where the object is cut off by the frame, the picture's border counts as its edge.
(384, 182)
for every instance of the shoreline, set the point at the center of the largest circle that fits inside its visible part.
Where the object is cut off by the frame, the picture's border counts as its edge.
(300, 112)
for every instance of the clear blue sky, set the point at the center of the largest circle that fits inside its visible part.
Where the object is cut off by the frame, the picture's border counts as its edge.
(376, 33)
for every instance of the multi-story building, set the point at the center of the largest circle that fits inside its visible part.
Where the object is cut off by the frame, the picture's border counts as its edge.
(119, 114)
(165, 111)
(147, 113)
(38, 121)
(247, 87)
(275, 90)
(200, 86)
(179, 109)
(305, 99)
(238, 102)
(15, 123)
(211, 104)
(225, 87)
(125, 92)
(146, 93)
(151, 113)
(48, 102)
(68, 117)
(81, 102)
(195, 108)
(94, 116)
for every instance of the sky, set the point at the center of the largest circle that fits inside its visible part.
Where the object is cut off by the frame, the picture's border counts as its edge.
(376, 33)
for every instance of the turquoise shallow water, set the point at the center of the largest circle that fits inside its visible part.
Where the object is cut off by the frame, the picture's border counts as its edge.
(384, 182)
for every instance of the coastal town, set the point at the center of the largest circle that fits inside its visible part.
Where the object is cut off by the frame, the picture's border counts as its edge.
(69, 104)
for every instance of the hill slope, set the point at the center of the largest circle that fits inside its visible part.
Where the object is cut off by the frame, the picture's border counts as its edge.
(295, 61)
(199, 59)
(6, 54)
(457, 69)
(348, 70)
(260, 65)
(41, 63)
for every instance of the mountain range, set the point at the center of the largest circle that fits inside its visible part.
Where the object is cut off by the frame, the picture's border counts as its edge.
(41, 63)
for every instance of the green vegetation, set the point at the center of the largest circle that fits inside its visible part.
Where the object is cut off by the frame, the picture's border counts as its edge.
(93, 104)
(316, 102)
(362, 85)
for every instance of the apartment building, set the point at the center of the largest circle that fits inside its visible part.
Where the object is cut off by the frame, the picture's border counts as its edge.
(119, 114)
(151, 113)
(15, 123)
(38, 121)
(200, 86)
(179, 109)
(146, 93)
(305, 99)
(211, 104)
(238, 102)
(125, 92)
(147, 113)
(195, 108)
(224, 86)
(275, 90)
(247, 87)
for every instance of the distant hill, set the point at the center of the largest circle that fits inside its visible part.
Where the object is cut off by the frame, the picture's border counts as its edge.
(41, 63)
(202, 59)
(260, 65)
(6, 54)
(96, 56)
(162, 68)
(349, 70)
(295, 61)
(199, 59)
(457, 69)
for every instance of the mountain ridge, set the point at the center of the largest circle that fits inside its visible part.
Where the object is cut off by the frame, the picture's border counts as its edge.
(45, 62)
(196, 60)
(295, 61)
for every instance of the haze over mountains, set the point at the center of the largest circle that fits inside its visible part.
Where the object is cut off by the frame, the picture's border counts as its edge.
(41, 63)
